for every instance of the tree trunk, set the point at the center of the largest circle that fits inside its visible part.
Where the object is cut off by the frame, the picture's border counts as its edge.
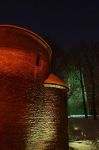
(83, 93)
(93, 93)
(91, 69)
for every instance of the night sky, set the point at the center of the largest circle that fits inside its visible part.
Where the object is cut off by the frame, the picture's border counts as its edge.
(64, 22)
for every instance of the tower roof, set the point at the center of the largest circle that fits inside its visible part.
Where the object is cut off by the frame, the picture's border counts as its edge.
(54, 81)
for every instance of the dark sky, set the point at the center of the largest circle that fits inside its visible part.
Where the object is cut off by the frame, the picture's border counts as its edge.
(65, 22)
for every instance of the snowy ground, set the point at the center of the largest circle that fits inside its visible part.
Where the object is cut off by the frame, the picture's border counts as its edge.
(84, 145)
(83, 134)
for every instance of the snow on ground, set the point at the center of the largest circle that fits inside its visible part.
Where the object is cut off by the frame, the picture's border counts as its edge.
(83, 133)
(83, 145)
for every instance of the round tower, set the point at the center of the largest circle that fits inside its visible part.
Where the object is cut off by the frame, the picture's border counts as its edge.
(56, 113)
(24, 65)
(33, 116)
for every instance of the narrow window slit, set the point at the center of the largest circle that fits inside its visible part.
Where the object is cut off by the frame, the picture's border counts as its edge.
(38, 60)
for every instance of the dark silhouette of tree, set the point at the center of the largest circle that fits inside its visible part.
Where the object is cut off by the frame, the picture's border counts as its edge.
(74, 60)
(89, 52)
(83, 93)
(85, 58)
